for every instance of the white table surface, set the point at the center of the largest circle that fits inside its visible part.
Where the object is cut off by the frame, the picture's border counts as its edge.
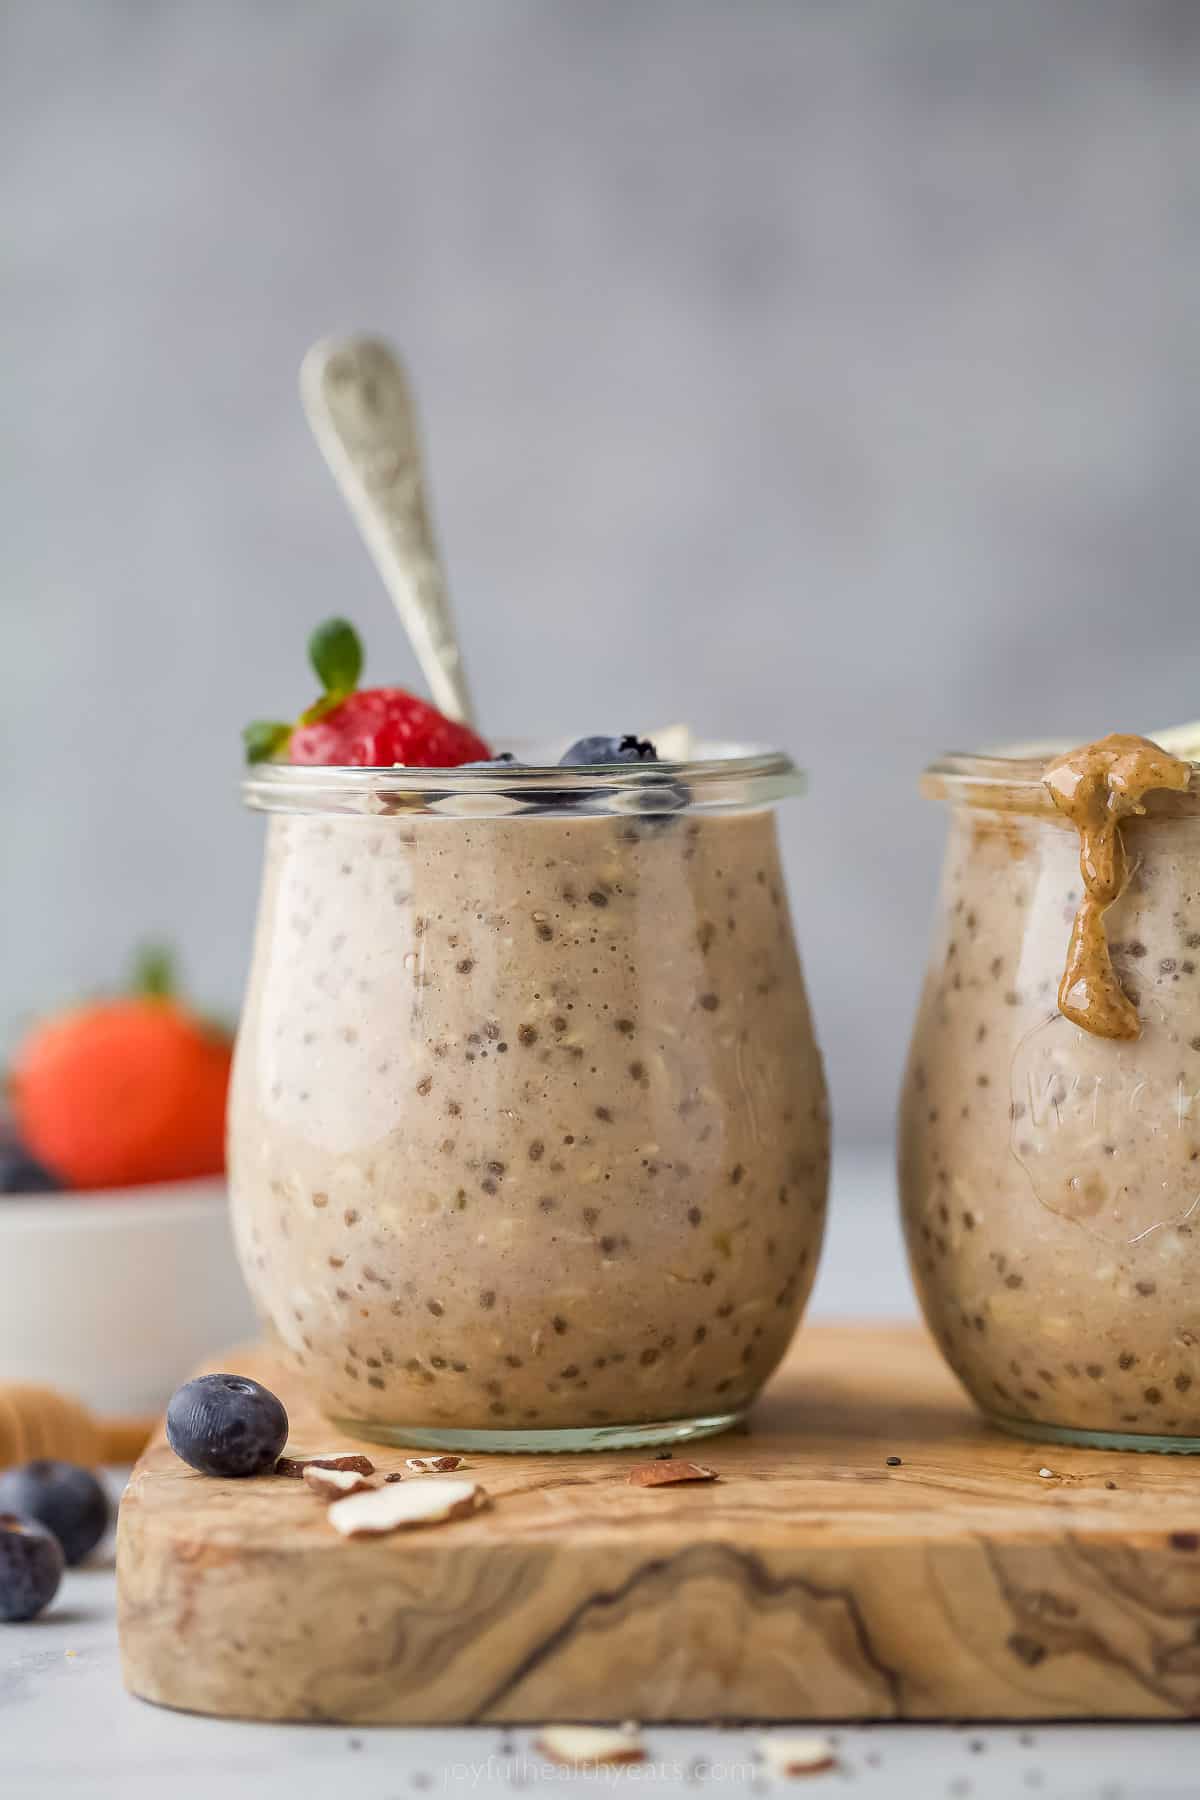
(68, 1729)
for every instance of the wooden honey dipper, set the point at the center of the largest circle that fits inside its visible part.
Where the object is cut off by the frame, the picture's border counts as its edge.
(39, 1421)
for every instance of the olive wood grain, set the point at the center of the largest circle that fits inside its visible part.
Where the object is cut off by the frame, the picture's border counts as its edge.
(810, 1581)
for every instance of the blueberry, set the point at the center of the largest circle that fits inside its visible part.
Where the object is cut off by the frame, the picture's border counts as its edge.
(67, 1500)
(20, 1173)
(31, 1566)
(227, 1425)
(627, 749)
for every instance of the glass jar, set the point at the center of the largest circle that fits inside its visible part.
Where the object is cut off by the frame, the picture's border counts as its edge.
(1050, 1178)
(528, 1130)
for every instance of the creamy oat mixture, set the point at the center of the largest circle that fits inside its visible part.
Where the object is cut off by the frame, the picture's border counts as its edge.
(528, 1126)
(1050, 1169)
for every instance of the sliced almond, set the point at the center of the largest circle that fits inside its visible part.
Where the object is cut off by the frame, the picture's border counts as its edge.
(296, 1465)
(405, 1504)
(674, 743)
(575, 1746)
(797, 1755)
(335, 1484)
(432, 1465)
(665, 1474)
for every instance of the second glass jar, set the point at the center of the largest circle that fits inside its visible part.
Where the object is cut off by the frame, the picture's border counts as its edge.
(1050, 1178)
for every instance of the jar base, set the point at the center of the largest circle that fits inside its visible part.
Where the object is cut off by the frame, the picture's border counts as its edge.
(1095, 1440)
(523, 1441)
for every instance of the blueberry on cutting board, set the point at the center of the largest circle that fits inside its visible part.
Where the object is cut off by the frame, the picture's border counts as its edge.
(31, 1566)
(227, 1425)
(67, 1500)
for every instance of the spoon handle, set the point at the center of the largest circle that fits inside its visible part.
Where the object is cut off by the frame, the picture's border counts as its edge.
(360, 407)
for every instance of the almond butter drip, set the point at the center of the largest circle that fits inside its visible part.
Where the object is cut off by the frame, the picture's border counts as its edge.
(1096, 787)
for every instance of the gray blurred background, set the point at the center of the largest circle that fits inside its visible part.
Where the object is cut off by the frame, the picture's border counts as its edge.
(820, 373)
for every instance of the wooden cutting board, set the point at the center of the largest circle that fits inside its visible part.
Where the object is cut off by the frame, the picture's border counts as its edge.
(811, 1581)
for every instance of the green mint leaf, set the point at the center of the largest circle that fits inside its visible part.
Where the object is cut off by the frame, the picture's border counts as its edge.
(154, 972)
(265, 738)
(336, 653)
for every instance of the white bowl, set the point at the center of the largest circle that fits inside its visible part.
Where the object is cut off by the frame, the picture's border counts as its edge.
(116, 1296)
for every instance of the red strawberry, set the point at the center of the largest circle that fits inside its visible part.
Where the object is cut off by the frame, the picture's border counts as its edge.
(377, 727)
(119, 1092)
(362, 728)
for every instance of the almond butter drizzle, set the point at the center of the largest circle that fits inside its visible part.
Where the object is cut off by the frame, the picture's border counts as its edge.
(1096, 787)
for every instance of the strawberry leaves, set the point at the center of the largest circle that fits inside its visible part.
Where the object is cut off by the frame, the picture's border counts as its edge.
(265, 739)
(154, 973)
(336, 654)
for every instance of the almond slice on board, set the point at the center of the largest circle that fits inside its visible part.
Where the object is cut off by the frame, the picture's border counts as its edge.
(432, 1465)
(666, 1474)
(404, 1504)
(335, 1484)
(797, 1755)
(296, 1465)
(578, 1745)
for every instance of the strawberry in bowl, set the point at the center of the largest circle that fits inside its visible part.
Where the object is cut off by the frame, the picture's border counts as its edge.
(117, 1270)
(120, 1092)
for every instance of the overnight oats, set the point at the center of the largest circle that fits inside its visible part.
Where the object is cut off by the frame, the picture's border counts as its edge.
(1050, 1119)
(528, 1132)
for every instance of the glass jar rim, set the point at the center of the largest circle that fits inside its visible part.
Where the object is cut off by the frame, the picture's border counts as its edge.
(1012, 781)
(720, 776)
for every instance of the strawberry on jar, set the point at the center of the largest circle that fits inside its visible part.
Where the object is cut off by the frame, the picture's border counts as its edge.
(353, 727)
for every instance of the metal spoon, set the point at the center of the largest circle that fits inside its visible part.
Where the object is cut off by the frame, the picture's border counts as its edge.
(360, 407)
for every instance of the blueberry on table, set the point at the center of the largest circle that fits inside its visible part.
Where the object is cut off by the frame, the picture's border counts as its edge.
(627, 749)
(21, 1173)
(227, 1425)
(67, 1500)
(31, 1566)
